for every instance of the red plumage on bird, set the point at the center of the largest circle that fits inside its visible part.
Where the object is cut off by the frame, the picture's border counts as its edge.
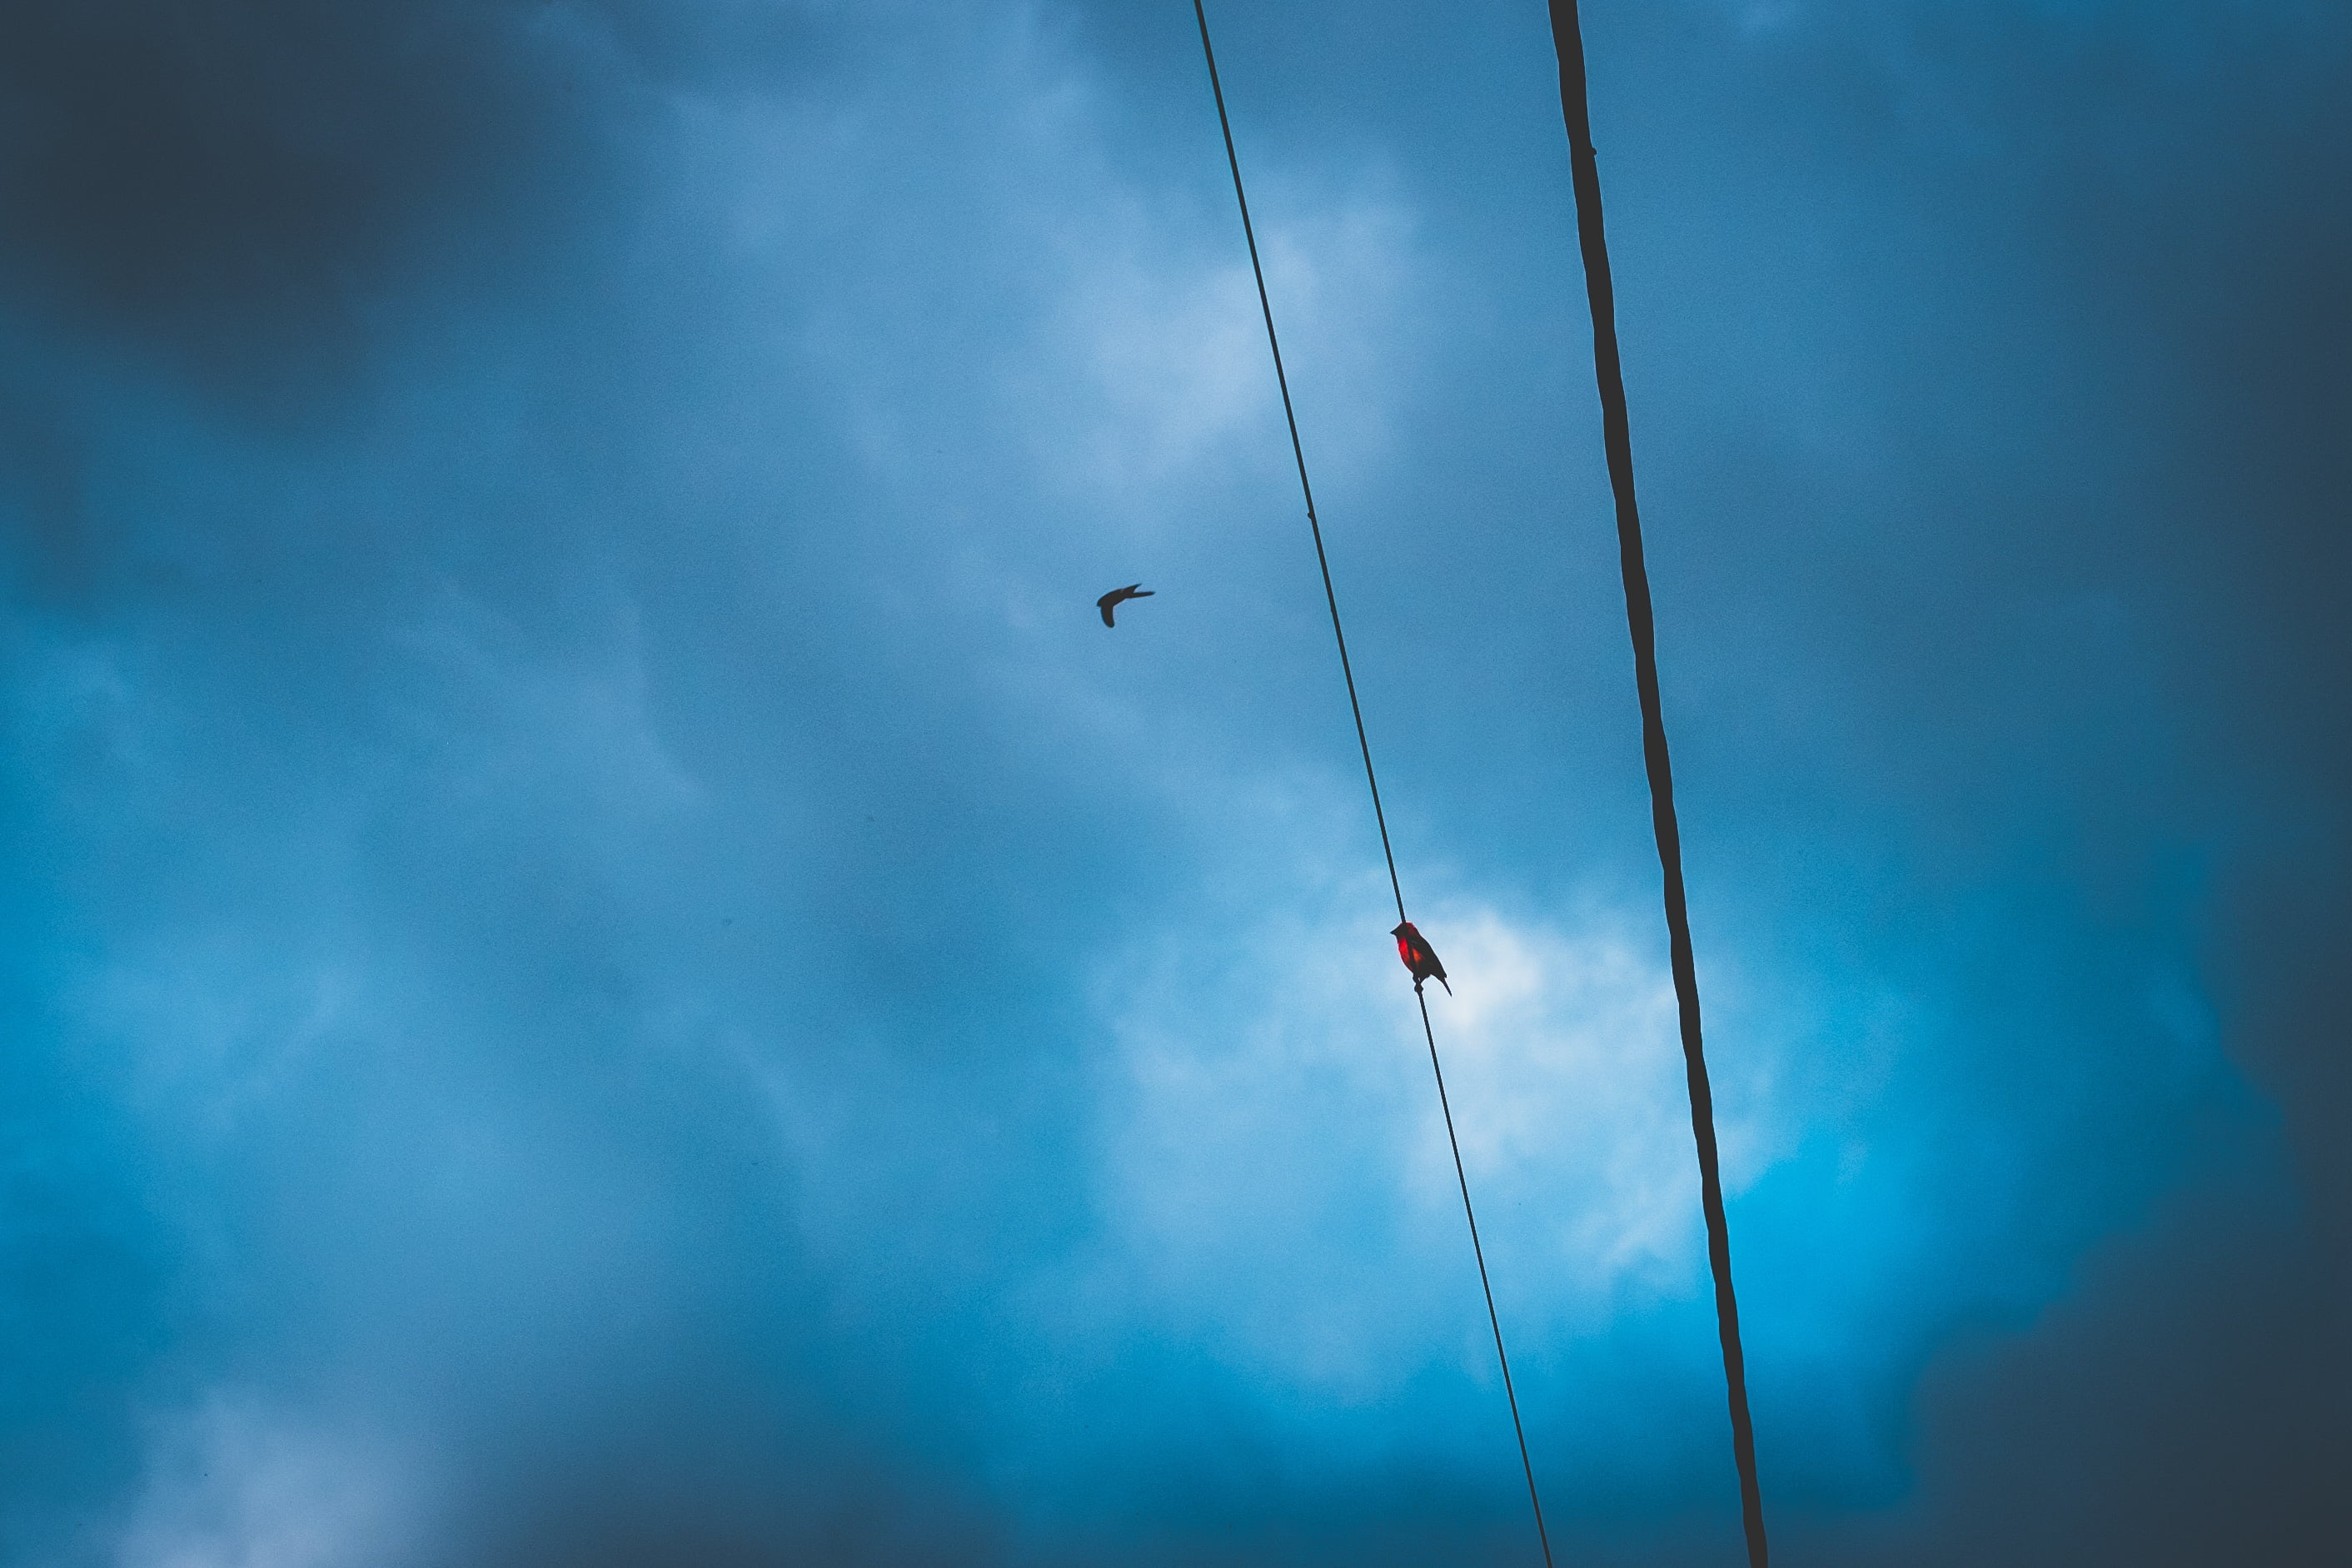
(1413, 950)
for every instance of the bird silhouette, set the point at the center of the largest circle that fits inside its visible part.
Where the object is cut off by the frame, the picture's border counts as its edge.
(1119, 596)
(1413, 948)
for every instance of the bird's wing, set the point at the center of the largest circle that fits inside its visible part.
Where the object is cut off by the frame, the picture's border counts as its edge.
(1120, 596)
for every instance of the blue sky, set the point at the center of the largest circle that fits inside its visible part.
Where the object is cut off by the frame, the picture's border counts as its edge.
(607, 964)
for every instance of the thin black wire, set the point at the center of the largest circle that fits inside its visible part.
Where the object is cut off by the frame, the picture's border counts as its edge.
(1568, 40)
(1300, 454)
(1542, 1536)
(1331, 598)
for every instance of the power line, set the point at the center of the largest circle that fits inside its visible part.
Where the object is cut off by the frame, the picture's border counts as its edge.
(1568, 40)
(1298, 453)
(1543, 1537)
(1371, 780)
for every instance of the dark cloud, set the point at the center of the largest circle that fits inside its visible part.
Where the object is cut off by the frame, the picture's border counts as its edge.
(256, 189)
(2182, 1407)
(243, 182)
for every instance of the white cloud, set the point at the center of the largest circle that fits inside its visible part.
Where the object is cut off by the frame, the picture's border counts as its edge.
(1011, 284)
(1158, 321)
(1274, 1182)
(1564, 1054)
(237, 1485)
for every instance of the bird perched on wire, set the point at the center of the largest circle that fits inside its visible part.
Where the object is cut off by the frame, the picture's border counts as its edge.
(1414, 949)
(1119, 596)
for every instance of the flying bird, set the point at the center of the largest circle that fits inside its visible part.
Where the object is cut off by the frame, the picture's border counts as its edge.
(1413, 948)
(1119, 596)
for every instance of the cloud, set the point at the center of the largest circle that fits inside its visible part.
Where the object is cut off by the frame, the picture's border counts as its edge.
(611, 900)
(1170, 342)
(236, 1484)
(239, 187)
(1268, 1097)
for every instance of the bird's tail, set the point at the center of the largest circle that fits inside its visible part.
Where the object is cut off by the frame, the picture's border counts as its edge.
(1449, 989)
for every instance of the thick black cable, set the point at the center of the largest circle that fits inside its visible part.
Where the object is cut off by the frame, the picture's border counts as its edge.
(1363, 744)
(1568, 40)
